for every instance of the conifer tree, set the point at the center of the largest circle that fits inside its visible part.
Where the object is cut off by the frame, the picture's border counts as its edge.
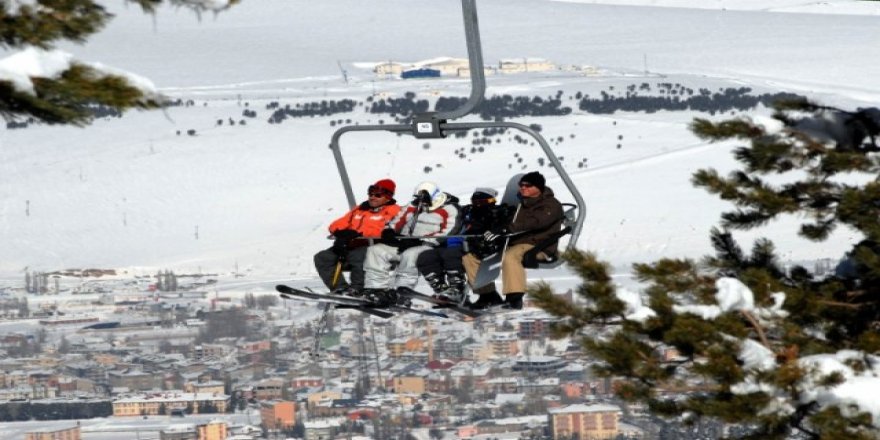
(762, 362)
(69, 96)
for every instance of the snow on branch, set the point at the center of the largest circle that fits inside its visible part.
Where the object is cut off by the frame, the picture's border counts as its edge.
(21, 67)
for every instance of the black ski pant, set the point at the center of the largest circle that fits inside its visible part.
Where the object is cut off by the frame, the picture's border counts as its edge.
(440, 260)
(325, 264)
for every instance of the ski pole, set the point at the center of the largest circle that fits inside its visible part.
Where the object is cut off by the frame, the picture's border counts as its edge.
(336, 274)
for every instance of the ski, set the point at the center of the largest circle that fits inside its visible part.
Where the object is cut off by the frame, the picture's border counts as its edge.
(346, 302)
(439, 302)
(368, 310)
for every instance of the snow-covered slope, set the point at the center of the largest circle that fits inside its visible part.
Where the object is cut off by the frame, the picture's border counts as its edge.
(133, 192)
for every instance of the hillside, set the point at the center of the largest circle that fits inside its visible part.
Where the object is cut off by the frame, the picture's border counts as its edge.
(138, 191)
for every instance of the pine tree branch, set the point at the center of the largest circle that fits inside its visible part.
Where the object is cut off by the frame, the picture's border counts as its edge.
(70, 98)
(757, 326)
(41, 25)
(841, 304)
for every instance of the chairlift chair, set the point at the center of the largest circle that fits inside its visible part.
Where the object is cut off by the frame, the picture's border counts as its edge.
(433, 125)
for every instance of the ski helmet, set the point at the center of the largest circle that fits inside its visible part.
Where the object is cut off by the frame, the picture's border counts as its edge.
(428, 192)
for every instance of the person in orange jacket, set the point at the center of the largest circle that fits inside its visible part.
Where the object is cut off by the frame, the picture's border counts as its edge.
(366, 220)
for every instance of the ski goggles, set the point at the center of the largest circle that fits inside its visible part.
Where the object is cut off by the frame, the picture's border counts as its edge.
(483, 201)
(422, 198)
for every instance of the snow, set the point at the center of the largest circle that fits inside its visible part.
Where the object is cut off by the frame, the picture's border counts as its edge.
(756, 356)
(19, 67)
(859, 388)
(732, 295)
(636, 310)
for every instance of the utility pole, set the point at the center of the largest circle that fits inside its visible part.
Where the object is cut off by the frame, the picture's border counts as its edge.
(430, 340)
(381, 384)
(344, 73)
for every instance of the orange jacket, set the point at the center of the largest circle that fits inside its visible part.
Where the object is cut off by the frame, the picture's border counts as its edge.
(368, 221)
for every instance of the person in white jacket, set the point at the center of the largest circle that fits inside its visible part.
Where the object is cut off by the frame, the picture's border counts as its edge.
(432, 213)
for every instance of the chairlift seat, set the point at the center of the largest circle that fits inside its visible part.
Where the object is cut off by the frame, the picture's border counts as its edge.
(536, 258)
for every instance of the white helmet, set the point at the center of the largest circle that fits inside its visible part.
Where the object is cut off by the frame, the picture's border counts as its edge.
(437, 197)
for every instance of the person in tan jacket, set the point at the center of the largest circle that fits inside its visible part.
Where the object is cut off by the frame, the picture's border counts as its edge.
(538, 216)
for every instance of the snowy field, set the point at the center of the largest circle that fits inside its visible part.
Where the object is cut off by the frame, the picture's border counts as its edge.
(133, 193)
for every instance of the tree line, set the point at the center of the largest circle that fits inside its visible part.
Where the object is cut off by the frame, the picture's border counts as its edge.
(37, 410)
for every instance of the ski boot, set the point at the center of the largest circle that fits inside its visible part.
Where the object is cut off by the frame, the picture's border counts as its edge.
(348, 291)
(456, 282)
(438, 284)
(514, 301)
(487, 300)
(403, 300)
(381, 297)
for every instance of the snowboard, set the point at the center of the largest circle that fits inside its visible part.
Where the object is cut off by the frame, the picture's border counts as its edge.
(490, 266)
(347, 302)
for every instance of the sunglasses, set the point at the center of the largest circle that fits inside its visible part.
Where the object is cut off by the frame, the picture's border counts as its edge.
(525, 185)
(375, 191)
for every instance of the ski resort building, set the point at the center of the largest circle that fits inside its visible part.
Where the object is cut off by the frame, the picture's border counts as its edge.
(520, 65)
(389, 68)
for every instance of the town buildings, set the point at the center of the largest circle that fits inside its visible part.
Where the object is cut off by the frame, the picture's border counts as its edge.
(215, 358)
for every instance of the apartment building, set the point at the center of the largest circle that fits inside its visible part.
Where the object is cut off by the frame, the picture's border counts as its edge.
(166, 401)
(72, 433)
(278, 414)
(586, 422)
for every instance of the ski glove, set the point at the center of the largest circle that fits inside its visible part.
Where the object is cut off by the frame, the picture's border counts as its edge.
(494, 235)
(389, 237)
(343, 240)
(346, 234)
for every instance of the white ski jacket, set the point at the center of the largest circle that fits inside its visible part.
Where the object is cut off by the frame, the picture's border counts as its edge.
(428, 223)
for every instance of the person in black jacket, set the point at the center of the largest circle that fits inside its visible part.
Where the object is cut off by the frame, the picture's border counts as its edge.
(442, 267)
(538, 217)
